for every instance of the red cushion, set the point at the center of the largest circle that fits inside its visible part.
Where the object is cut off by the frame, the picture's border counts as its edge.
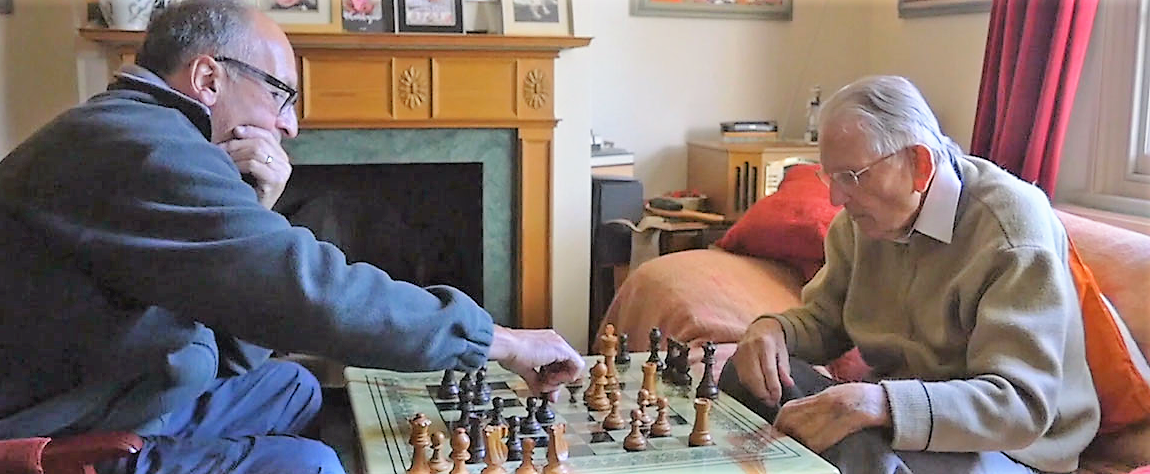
(789, 225)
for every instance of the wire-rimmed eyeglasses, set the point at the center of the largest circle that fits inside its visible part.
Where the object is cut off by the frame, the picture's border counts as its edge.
(291, 94)
(850, 178)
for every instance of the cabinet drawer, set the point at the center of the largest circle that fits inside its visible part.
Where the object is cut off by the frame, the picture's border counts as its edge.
(346, 89)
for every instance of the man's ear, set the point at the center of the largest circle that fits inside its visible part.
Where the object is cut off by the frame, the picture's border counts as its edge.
(923, 167)
(205, 81)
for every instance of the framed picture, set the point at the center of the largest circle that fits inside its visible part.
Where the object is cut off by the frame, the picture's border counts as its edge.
(741, 9)
(536, 17)
(312, 16)
(430, 16)
(368, 16)
(921, 8)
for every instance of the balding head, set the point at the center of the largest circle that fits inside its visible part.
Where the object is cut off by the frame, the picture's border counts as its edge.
(195, 27)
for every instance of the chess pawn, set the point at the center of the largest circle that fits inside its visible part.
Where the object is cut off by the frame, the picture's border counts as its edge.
(420, 442)
(495, 416)
(655, 337)
(527, 466)
(529, 425)
(514, 446)
(557, 450)
(464, 407)
(439, 462)
(496, 450)
(460, 444)
(573, 388)
(482, 391)
(635, 440)
(624, 355)
(478, 448)
(447, 388)
(599, 401)
(701, 434)
(662, 426)
(545, 414)
(614, 420)
(649, 382)
(643, 404)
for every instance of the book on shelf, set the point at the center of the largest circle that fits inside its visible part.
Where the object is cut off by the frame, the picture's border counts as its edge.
(749, 136)
(749, 126)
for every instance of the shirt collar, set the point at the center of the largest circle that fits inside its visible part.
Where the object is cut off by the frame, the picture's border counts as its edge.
(131, 76)
(936, 219)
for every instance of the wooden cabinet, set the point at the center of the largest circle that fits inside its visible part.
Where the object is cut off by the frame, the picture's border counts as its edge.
(734, 175)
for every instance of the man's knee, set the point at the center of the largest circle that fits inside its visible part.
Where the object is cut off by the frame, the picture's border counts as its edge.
(314, 456)
(296, 377)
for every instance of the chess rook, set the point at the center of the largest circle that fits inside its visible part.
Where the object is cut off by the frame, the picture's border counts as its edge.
(701, 433)
(649, 382)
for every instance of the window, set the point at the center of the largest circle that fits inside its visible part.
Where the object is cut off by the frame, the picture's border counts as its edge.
(1110, 126)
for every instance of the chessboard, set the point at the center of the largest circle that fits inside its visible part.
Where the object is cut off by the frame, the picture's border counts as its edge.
(383, 402)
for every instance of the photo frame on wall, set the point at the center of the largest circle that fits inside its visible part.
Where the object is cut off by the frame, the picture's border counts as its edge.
(303, 16)
(922, 8)
(429, 16)
(368, 16)
(537, 17)
(742, 10)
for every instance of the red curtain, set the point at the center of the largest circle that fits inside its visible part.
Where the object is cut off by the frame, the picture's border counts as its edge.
(1034, 55)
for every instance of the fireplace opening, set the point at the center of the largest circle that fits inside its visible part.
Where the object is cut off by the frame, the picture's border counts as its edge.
(421, 223)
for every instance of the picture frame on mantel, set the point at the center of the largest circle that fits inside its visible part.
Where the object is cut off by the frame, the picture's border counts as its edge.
(429, 16)
(924, 8)
(303, 16)
(368, 16)
(537, 17)
(743, 10)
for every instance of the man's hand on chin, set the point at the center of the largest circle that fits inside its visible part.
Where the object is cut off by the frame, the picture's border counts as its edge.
(257, 153)
(825, 418)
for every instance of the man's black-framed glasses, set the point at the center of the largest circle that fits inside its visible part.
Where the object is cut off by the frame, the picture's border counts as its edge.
(291, 94)
(850, 178)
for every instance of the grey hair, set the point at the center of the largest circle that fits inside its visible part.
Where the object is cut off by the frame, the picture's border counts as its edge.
(891, 113)
(192, 27)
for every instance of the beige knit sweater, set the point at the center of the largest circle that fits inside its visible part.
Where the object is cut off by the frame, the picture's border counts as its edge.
(978, 343)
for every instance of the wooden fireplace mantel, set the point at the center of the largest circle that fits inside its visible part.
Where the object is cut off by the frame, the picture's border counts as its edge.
(436, 81)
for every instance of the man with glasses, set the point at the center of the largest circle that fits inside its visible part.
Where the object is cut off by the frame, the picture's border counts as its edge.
(951, 278)
(135, 251)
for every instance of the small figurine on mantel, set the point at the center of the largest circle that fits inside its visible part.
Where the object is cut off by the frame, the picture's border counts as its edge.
(812, 134)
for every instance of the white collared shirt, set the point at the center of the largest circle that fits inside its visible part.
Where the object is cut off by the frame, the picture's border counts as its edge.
(939, 209)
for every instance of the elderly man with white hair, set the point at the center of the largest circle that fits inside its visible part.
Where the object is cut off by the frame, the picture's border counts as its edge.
(951, 277)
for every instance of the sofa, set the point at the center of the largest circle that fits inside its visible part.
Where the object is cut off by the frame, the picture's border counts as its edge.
(713, 294)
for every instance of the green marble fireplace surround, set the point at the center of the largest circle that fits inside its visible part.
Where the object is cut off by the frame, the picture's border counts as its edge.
(493, 149)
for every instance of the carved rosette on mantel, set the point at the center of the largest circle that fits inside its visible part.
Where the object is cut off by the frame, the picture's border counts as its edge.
(535, 88)
(367, 81)
(412, 88)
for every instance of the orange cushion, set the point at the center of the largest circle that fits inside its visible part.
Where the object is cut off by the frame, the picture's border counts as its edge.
(1123, 393)
(789, 225)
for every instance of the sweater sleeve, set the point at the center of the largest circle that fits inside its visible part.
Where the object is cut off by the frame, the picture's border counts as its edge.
(814, 331)
(180, 229)
(1014, 360)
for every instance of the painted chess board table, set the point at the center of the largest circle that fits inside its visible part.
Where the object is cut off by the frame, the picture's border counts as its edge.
(383, 401)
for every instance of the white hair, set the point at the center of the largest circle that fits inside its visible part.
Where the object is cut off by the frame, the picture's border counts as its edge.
(891, 113)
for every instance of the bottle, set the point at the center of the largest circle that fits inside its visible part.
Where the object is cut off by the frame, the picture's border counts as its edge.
(811, 136)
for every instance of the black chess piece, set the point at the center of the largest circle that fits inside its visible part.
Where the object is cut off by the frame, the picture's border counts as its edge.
(496, 413)
(544, 414)
(464, 407)
(671, 358)
(465, 383)
(624, 355)
(514, 446)
(482, 391)
(682, 374)
(707, 386)
(573, 389)
(529, 425)
(448, 388)
(656, 337)
(478, 448)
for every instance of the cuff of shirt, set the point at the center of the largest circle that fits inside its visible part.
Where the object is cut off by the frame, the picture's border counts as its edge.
(911, 414)
(789, 335)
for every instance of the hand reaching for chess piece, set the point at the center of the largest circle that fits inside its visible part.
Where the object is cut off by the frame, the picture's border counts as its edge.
(540, 356)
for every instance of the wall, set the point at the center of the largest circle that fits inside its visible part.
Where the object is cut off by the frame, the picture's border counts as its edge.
(38, 72)
(659, 82)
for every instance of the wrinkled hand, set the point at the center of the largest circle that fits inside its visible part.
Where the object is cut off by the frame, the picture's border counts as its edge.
(540, 356)
(250, 148)
(762, 362)
(825, 418)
